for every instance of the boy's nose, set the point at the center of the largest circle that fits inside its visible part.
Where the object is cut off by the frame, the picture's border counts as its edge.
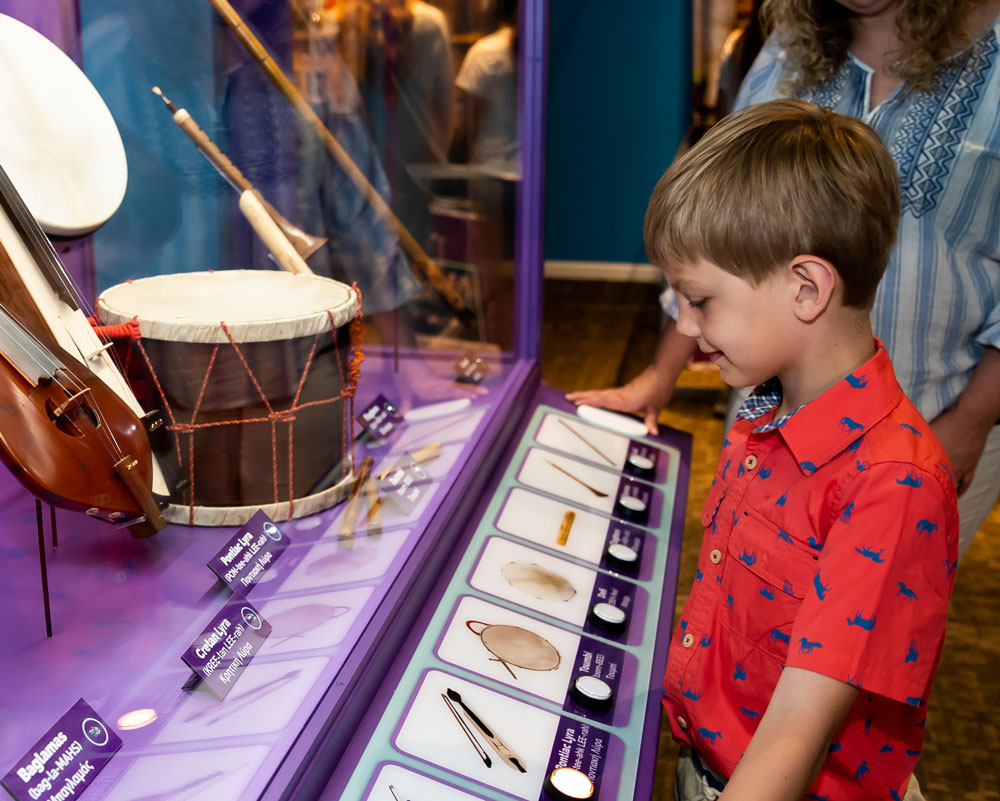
(686, 323)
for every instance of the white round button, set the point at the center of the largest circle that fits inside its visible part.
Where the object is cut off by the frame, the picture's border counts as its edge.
(608, 613)
(632, 503)
(688, 640)
(593, 688)
(715, 556)
(750, 462)
(681, 722)
(622, 553)
(641, 462)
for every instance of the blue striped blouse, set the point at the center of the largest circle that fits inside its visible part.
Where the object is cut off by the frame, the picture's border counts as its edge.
(938, 305)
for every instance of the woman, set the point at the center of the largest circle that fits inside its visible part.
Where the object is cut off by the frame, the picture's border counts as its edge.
(926, 76)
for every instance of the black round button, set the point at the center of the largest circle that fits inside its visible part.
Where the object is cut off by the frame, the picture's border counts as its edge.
(632, 508)
(591, 691)
(622, 556)
(641, 466)
(608, 618)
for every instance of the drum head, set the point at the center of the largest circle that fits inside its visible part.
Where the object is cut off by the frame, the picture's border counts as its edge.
(520, 647)
(58, 143)
(537, 581)
(256, 305)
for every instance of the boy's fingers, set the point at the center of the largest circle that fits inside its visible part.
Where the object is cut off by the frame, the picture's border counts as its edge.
(651, 420)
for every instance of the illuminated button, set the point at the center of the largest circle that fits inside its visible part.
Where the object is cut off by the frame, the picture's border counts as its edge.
(715, 556)
(569, 783)
(607, 617)
(750, 462)
(591, 691)
(621, 555)
(688, 640)
(136, 719)
(681, 722)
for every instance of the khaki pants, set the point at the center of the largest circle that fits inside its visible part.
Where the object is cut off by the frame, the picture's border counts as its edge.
(692, 785)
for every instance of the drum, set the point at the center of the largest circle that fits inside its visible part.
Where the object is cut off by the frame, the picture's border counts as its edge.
(60, 144)
(254, 372)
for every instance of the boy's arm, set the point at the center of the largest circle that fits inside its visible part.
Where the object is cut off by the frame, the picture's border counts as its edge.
(649, 391)
(790, 744)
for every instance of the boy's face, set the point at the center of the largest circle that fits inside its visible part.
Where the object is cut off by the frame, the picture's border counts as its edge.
(745, 329)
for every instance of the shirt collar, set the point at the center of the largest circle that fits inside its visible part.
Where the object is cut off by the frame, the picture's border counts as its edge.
(819, 430)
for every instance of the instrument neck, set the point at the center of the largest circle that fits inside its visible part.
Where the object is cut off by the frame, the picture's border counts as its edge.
(37, 242)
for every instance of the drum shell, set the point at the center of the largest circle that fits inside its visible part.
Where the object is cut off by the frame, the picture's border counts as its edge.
(237, 464)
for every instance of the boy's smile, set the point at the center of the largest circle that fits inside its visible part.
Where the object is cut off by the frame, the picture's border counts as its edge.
(740, 327)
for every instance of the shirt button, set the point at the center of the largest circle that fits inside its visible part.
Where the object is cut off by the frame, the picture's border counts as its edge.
(715, 556)
(681, 722)
(688, 640)
(750, 462)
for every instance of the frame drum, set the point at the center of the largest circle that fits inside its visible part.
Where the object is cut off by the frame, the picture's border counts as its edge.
(60, 144)
(254, 372)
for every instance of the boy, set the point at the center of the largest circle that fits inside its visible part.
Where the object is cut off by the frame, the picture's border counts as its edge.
(803, 659)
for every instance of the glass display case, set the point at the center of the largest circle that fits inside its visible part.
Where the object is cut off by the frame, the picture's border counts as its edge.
(306, 258)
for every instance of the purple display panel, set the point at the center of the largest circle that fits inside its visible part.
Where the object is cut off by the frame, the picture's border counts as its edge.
(590, 750)
(224, 649)
(251, 551)
(611, 665)
(66, 759)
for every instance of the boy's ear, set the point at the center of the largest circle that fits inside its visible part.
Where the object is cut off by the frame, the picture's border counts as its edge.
(813, 281)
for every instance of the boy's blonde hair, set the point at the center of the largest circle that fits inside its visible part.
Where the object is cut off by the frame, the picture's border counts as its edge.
(775, 181)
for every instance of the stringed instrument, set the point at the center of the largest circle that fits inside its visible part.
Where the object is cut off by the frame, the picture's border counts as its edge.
(68, 438)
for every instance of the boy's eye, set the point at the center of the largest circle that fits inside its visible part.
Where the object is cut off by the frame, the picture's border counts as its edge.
(698, 304)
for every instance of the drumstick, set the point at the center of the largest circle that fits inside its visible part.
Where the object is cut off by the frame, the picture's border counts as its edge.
(565, 526)
(587, 442)
(428, 453)
(353, 508)
(266, 220)
(580, 481)
(416, 253)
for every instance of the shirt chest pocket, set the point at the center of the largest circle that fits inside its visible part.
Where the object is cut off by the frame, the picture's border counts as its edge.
(766, 576)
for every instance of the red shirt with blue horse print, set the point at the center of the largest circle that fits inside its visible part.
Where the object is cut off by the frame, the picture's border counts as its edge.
(830, 545)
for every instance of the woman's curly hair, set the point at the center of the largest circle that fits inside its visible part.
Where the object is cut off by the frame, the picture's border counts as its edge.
(816, 35)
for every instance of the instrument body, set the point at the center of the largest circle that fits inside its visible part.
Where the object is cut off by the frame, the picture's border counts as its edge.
(251, 371)
(69, 439)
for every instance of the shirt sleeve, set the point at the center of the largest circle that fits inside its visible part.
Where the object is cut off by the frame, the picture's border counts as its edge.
(875, 614)
(470, 74)
(761, 81)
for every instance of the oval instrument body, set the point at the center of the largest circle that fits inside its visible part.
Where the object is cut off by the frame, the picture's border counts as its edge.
(72, 442)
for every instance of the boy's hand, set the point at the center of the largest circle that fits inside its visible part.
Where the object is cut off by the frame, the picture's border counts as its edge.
(643, 394)
(790, 744)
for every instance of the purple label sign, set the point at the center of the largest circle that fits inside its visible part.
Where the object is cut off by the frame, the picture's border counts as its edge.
(406, 483)
(66, 759)
(471, 368)
(380, 418)
(579, 746)
(611, 592)
(251, 551)
(224, 649)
